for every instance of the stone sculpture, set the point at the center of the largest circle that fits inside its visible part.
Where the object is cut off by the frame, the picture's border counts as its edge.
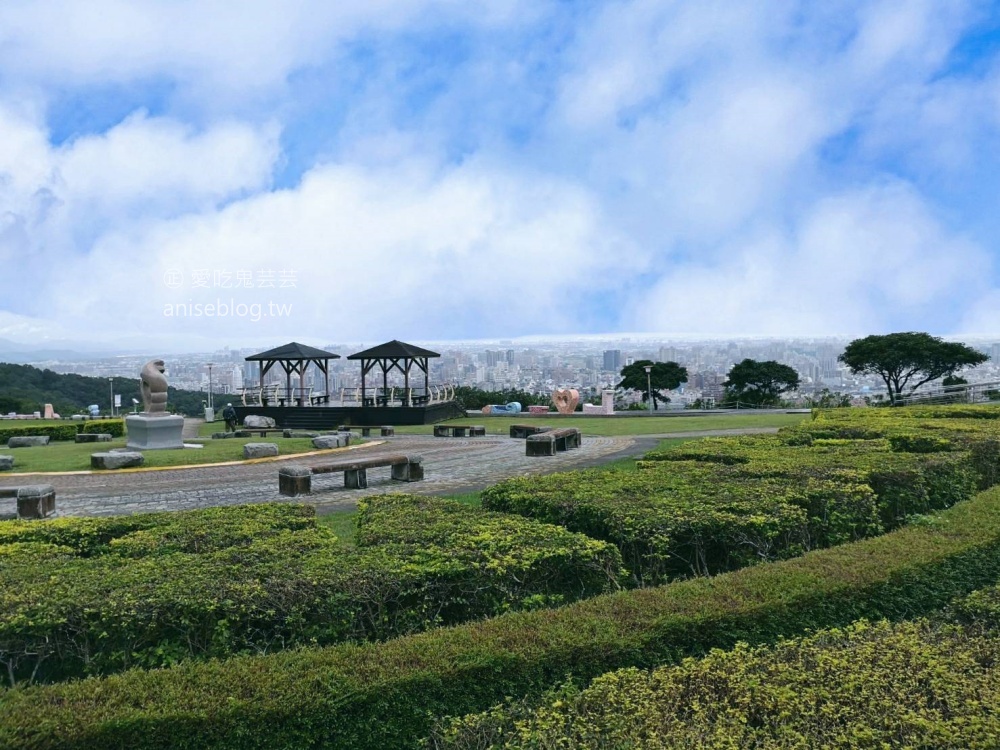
(153, 429)
(565, 400)
(154, 387)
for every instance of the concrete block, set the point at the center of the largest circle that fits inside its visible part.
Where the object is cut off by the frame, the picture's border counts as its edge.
(93, 437)
(28, 441)
(299, 434)
(356, 479)
(294, 481)
(147, 432)
(6, 463)
(541, 444)
(260, 450)
(36, 501)
(387, 430)
(116, 460)
(413, 471)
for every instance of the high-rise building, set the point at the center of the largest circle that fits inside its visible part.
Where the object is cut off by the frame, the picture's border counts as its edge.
(612, 360)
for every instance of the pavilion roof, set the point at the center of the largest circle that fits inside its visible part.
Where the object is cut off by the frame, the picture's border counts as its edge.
(394, 350)
(292, 352)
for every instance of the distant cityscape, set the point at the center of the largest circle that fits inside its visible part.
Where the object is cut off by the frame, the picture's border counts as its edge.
(588, 365)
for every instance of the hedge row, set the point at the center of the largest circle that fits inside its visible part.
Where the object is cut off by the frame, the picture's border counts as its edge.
(386, 695)
(54, 431)
(113, 427)
(718, 504)
(226, 581)
(867, 685)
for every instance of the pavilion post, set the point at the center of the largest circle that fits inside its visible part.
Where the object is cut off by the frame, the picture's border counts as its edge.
(385, 383)
(326, 379)
(260, 381)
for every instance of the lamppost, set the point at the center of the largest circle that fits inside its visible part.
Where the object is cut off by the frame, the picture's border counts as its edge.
(111, 387)
(649, 387)
(211, 402)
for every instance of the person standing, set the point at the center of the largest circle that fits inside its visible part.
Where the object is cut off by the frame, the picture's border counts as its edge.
(229, 414)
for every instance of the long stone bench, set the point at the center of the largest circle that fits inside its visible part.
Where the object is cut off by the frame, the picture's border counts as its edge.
(33, 500)
(522, 431)
(92, 437)
(459, 430)
(296, 479)
(553, 441)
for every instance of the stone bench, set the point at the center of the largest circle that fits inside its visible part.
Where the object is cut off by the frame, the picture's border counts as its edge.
(387, 430)
(459, 430)
(263, 431)
(551, 442)
(296, 479)
(522, 431)
(27, 441)
(93, 437)
(116, 460)
(33, 500)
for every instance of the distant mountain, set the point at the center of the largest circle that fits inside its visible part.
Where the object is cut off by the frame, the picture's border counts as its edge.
(25, 389)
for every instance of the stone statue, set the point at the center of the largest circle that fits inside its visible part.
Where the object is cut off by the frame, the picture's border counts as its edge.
(565, 400)
(154, 387)
(514, 407)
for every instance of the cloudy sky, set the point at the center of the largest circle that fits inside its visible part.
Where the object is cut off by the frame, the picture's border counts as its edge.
(195, 172)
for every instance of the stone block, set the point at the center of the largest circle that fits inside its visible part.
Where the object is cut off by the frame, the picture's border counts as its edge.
(93, 437)
(116, 460)
(441, 430)
(151, 432)
(224, 435)
(299, 434)
(366, 432)
(256, 420)
(27, 441)
(541, 444)
(6, 463)
(477, 430)
(387, 430)
(260, 450)
(294, 480)
(36, 501)
(356, 479)
(325, 442)
(412, 471)
(242, 433)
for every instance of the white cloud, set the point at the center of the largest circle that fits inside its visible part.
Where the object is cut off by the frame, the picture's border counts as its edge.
(869, 260)
(403, 252)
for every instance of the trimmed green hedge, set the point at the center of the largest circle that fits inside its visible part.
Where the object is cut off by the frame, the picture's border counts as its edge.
(53, 431)
(713, 505)
(113, 427)
(867, 685)
(80, 600)
(386, 695)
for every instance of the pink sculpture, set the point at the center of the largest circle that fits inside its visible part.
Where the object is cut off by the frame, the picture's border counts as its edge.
(565, 400)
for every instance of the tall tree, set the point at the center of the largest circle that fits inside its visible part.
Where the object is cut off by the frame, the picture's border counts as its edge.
(908, 359)
(759, 383)
(664, 376)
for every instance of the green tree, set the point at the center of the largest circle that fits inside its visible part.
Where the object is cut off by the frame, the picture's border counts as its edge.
(827, 399)
(759, 383)
(664, 376)
(908, 359)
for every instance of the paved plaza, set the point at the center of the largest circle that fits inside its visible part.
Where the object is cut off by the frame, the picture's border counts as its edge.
(451, 465)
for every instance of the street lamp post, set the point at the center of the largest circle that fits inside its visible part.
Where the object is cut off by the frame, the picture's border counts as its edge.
(649, 387)
(111, 387)
(211, 401)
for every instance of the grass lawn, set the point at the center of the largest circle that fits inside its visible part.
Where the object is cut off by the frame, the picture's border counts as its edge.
(342, 522)
(609, 426)
(64, 456)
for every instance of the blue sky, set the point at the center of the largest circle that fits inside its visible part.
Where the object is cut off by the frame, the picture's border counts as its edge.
(440, 169)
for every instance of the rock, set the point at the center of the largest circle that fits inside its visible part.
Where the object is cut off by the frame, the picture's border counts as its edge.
(299, 434)
(28, 441)
(256, 420)
(325, 442)
(242, 433)
(260, 450)
(93, 437)
(224, 435)
(116, 460)
(6, 463)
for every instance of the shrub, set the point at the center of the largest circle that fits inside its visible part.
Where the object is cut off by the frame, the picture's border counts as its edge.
(385, 695)
(867, 685)
(113, 427)
(53, 431)
(258, 578)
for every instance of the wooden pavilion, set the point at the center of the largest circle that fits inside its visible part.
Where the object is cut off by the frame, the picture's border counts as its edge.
(395, 355)
(295, 358)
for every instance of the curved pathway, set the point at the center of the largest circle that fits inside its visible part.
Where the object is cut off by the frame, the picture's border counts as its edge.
(451, 465)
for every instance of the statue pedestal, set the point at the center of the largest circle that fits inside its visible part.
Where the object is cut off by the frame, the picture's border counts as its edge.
(151, 432)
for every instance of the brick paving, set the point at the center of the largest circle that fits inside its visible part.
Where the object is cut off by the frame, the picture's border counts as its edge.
(451, 465)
